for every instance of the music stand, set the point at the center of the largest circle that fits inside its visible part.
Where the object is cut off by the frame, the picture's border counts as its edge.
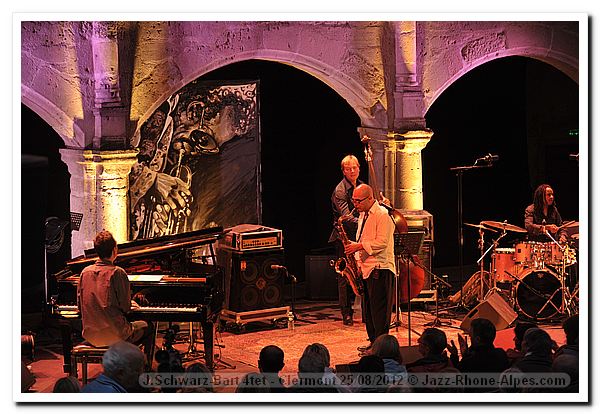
(405, 246)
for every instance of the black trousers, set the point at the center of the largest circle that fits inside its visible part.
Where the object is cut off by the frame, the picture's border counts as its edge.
(346, 295)
(378, 302)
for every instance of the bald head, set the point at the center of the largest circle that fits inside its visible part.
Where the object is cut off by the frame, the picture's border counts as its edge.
(362, 197)
(363, 190)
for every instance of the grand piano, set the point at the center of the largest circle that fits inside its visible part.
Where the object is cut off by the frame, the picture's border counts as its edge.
(177, 276)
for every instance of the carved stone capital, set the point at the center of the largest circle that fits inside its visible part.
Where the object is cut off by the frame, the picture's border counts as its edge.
(410, 141)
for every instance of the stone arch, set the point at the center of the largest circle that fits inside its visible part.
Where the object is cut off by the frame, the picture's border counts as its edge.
(349, 89)
(59, 121)
(566, 64)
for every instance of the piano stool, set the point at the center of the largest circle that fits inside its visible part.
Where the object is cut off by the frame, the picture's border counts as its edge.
(86, 354)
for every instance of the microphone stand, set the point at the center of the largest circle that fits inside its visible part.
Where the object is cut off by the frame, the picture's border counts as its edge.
(437, 321)
(293, 310)
(459, 176)
(492, 282)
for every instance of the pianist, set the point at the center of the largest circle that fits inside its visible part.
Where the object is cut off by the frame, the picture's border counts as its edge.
(104, 298)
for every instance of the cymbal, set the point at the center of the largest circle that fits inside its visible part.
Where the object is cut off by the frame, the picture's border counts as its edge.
(479, 226)
(504, 226)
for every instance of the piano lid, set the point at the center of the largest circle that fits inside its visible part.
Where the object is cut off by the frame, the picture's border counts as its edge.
(155, 246)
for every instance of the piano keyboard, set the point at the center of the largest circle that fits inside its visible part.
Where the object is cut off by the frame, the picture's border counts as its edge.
(166, 309)
(72, 309)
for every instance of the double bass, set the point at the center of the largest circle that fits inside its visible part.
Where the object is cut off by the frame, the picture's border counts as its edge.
(417, 273)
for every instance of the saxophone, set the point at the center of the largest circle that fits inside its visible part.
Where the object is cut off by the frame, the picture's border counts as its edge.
(347, 266)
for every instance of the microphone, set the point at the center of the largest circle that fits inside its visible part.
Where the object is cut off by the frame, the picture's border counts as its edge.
(278, 267)
(489, 158)
(574, 157)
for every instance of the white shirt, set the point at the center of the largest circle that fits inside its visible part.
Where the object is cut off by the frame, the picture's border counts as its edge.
(377, 239)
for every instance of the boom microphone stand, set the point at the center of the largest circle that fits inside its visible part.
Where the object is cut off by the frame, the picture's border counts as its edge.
(483, 162)
(294, 281)
(437, 321)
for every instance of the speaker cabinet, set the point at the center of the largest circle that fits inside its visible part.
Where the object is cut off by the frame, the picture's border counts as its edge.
(495, 309)
(321, 278)
(250, 282)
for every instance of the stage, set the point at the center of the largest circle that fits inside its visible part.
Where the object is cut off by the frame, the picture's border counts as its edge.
(238, 351)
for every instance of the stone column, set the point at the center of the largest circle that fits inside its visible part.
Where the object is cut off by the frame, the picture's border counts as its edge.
(99, 190)
(398, 166)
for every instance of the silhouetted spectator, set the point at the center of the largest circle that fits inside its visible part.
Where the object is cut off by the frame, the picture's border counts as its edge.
(329, 375)
(568, 364)
(67, 384)
(202, 376)
(481, 356)
(520, 328)
(388, 349)
(270, 362)
(370, 376)
(123, 363)
(511, 380)
(310, 375)
(169, 361)
(432, 345)
(571, 328)
(252, 383)
(537, 351)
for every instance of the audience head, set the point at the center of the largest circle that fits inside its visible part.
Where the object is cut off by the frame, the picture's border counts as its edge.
(569, 364)
(537, 341)
(318, 350)
(371, 364)
(201, 372)
(270, 359)
(509, 380)
(432, 342)
(253, 382)
(104, 244)
(571, 328)
(387, 347)
(67, 384)
(483, 332)
(520, 329)
(311, 363)
(124, 362)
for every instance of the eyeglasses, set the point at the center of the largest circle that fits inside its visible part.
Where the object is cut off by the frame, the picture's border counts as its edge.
(358, 201)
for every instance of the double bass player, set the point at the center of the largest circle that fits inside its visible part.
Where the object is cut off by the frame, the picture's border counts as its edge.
(341, 205)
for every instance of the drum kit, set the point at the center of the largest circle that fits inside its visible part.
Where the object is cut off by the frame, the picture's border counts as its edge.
(536, 278)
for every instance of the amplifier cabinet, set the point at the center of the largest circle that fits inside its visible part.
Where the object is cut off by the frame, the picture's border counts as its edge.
(250, 282)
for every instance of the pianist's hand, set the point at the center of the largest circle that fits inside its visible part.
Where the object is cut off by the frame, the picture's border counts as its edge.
(134, 304)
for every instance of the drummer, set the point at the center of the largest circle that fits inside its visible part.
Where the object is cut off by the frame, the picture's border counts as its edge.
(542, 216)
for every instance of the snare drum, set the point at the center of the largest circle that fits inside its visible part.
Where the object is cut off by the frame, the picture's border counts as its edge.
(503, 260)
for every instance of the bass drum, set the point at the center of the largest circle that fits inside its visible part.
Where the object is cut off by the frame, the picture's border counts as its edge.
(538, 294)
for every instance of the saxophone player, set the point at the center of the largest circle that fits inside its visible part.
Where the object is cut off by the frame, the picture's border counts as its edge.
(374, 251)
(341, 205)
